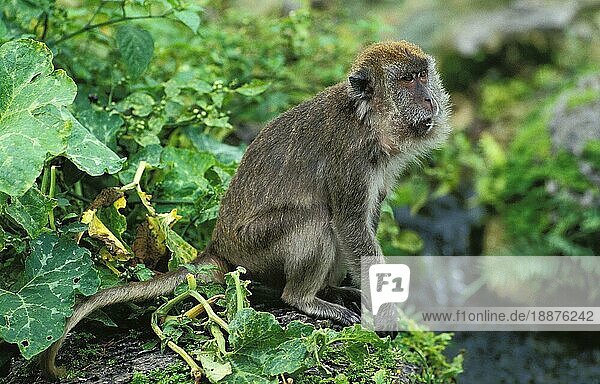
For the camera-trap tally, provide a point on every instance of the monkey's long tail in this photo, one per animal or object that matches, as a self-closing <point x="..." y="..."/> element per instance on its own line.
<point x="161" y="285"/>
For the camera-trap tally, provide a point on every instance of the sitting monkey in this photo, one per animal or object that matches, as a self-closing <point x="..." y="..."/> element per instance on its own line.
<point x="303" y="207"/>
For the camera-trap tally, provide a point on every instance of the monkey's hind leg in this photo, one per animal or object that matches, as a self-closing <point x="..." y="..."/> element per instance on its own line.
<point x="310" y="259"/>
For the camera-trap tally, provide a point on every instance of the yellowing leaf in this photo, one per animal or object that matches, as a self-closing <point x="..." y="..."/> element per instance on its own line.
<point x="97" y="230"/>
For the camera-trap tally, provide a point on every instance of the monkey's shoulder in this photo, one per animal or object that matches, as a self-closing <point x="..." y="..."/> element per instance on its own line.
<point x="330" y="107"/>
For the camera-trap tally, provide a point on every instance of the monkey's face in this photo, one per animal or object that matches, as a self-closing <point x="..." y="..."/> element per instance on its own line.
<point x="397" y="87"/>
<point x="407" y="94"/>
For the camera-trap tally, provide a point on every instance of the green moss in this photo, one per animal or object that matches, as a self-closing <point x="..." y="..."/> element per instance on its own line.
<point x="176" y="373"/>
<point x="415" y="355"/>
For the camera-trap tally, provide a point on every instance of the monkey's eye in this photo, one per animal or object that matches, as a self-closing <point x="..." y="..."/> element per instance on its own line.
<point x="422" y="75"/>
<point x="408" y="77"/>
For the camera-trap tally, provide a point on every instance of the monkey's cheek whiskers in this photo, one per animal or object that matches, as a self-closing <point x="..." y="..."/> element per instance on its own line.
<point x="429" y="124"/>
<point x="436" y="107"/>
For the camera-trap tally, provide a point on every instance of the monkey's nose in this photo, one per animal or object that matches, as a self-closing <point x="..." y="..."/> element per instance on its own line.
<point x="428" y="104"/>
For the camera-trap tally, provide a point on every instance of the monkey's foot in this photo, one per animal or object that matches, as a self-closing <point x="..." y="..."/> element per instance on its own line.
<point x="348" y="297"/>
<point x="324" y="309"/>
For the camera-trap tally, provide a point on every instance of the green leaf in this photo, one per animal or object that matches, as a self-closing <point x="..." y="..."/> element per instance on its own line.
<point x="103" y="125"/>
<point x="219" y="122"/>
<point x="214" y="370"/>
<point x="380" y="376"/>
<point x="136" y="47"/>
<point x="288" y="357"/>
<point x="296" y="329"/>
<point x="189" y="18"/>
<point x="142" y="273"/>
<point x="254" y="330"/>
<point x="241" y="375"/>
<point x="253" y="88"/>
<point x="31" y="210"/>
<point x="225" y="153"/>
<point x="140" y="104"/>
<point x="183" y="173"/>
<point x="34" y="317"/>
<point x="32" y="100"/>
<point x="88" y="153"/>
<point x="261" y="347"/>
<point x="101" y="317"/>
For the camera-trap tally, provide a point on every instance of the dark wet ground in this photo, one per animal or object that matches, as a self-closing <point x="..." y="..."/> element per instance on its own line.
<point x="529" y="357"/>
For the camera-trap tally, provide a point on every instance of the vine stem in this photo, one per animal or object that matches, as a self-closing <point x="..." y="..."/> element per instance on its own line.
<point x="51" y="194"/>
<point x="105" y="23"/>
<point x="162" y="311"/>
<point x="45" y="179"/>
<point x="209" y="311"/>
<point x="135" y="184"/>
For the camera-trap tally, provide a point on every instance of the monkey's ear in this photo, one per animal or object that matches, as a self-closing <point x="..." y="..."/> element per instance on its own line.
<point x="360" y="84"/>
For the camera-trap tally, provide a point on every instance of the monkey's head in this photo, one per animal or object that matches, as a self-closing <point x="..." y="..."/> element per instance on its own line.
<point x="396" y="87"/>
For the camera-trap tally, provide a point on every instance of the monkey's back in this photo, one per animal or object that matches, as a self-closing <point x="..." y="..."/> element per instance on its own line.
<point x="280" y="183"/>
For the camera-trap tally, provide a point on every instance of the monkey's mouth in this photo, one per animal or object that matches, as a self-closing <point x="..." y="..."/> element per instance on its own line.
<point x="423" y="127"/>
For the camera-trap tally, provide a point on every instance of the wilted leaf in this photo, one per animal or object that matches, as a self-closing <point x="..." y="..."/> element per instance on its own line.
<point x="136" y="47"/>
<point x="98" y="228"/>
<point x="34" y="317"/>
<point x="181" y="251"/>
<point x="231" y="292"/>
<point x="149" y="245"/>
<point x="31" y="211"/>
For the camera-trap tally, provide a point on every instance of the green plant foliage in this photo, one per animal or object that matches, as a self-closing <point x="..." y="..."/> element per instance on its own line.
<point x="34" y="316"/>
<point x="260" y="350"/>
<point x="540" y="219"/>
<point x="126" y="154"/>
<point x="33" y="123"/>
<point x="30" y="211"/>
<point x="136" y="47"/>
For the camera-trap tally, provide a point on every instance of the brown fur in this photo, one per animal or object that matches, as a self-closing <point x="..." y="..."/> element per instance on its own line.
<point x="303" y="207"/>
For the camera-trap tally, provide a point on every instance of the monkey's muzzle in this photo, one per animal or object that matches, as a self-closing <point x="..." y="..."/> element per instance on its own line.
<point x="423" y="127"/>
